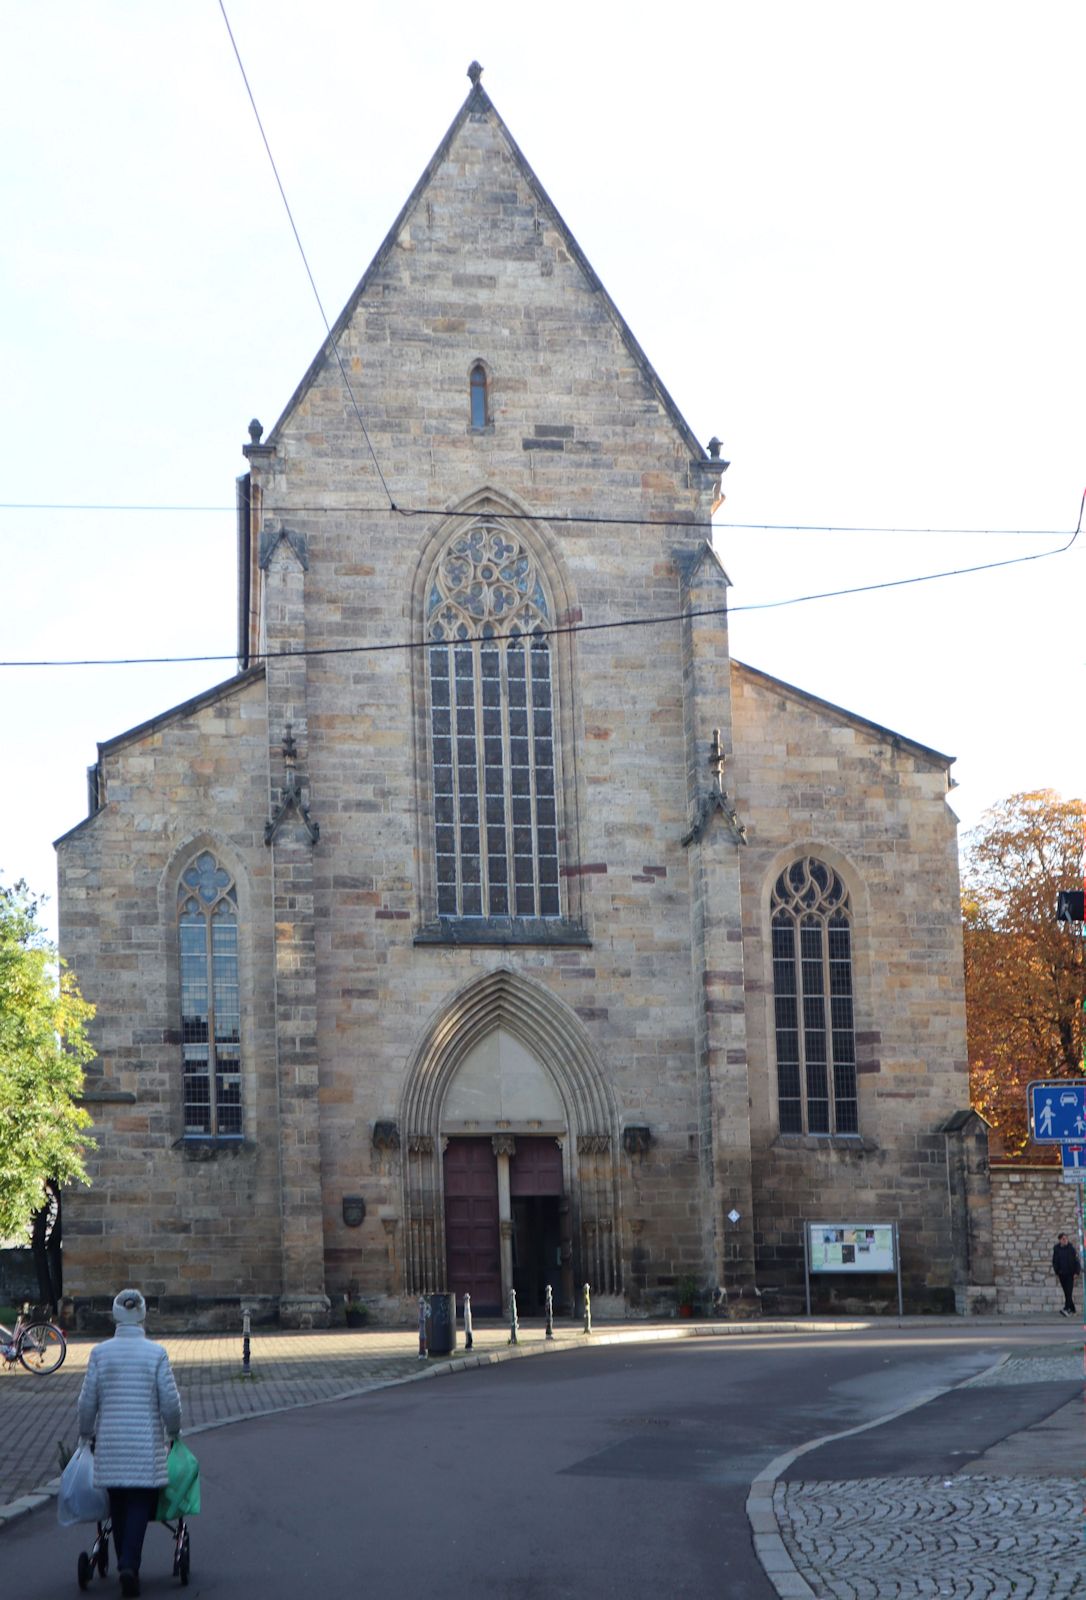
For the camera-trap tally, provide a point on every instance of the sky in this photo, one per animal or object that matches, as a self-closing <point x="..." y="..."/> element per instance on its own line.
<point x="849" y="237"/>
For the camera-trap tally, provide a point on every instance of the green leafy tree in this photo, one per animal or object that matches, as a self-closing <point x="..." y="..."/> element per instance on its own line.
<point x="43" y="1050"/>
<point x="1024" y="973"/>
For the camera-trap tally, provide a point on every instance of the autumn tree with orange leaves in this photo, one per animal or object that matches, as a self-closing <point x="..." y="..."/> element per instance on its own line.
<point x="1024" y="972"/>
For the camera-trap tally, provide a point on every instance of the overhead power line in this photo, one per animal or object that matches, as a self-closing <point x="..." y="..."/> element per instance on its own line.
<point x="305" y="260"/>
<point x="572" y="628"/>
<point x="569" y="518"/>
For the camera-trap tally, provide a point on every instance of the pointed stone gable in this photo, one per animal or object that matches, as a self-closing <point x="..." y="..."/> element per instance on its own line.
<point x="480" y="267"/>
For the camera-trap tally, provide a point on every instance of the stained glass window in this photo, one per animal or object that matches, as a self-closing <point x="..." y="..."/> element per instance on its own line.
<point x="813" y="1001"/>
<point x="492" y="729"/>
<point x="207" y="916"/>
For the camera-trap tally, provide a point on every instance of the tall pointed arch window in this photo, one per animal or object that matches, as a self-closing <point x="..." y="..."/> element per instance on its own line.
<point x="207" y="923"/>
<point x="813" y="1000"/>
<point x="492" y="730"/>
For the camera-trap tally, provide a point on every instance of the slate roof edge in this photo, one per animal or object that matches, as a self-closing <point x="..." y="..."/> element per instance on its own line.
<point x="218" y="691"/>
<point x="937" y="757"/>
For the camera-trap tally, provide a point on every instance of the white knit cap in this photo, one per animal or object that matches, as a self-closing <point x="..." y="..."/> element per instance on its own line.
<point x="129" y="1308"/>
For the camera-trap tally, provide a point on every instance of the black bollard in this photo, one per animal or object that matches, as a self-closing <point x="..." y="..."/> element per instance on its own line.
<point x="246" y="1370"/>
<point x="468" y="1341"/>
<point x="424" y="1312"/>
<point x="550" y="1313"/>
<point x="513" y="1324"/>
<point x="587" y="1309"/>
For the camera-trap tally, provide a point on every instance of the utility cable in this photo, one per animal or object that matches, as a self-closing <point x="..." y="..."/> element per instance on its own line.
<point x="573" y="628"/>
<point x="305" y="262"/>
<point x="566" y="518"/>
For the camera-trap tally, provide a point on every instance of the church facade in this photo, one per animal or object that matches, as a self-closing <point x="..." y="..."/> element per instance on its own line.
<point x="491" y="928"/>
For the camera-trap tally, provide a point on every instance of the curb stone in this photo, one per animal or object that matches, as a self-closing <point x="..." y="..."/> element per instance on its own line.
<point x="768" y="1538"/>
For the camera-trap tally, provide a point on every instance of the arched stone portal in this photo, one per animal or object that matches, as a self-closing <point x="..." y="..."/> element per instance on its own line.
<point x="506" y="1059"/>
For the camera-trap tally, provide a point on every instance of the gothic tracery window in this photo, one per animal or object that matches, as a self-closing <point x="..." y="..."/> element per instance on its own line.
<point x="813" y="1000"/>
<point x="492" y="729"/>
<point x="207" y="922"/>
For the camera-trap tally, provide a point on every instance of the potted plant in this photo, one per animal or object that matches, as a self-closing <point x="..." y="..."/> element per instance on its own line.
<point x="357" y="1311"/>
<point x="686" y="1292"/>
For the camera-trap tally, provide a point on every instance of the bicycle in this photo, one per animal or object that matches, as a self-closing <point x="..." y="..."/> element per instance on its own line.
<point x="39" y="1345"/>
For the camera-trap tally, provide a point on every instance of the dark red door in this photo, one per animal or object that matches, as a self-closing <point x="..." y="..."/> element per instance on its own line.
<point x="472" y="1238"/>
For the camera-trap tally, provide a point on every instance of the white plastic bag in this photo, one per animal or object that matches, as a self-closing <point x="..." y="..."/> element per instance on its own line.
<point x="79" y="1500"/>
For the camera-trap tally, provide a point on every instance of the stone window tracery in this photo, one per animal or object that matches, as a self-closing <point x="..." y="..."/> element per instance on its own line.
<point x="207" y="925"/>
<point x="492" y="729"/>
<point x="813" y="1001"/>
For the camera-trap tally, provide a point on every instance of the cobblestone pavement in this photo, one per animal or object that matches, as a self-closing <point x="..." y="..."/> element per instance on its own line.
<point x="912" y="1538"/>
<point x="975" y="1536"/>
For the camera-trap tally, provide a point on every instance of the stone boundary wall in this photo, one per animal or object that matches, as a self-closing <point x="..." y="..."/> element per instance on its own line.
<point x="1030" y="1206"/>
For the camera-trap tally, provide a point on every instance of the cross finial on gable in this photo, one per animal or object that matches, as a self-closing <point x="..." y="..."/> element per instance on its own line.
<point x="475" y="72"/>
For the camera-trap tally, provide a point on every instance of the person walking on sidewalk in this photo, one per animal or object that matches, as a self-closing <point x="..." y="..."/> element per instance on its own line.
<point x="129" y="1405"/>
<point x="1066" y="1266"/>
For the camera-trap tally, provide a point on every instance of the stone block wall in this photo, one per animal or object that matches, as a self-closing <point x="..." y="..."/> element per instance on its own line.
<point x="813" y="779"/>
<point x="1030" y="1206"/>
<point x="179" y="1220"/>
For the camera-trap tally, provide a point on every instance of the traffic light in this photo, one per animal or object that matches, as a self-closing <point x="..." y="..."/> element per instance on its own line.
<point x="1069" y="905"/>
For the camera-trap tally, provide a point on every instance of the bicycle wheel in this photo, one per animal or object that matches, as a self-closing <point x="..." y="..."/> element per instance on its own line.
<point x="42" y="1348"/>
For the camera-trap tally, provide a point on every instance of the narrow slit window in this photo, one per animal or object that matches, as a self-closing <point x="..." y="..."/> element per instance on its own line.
<point x="480" y="408"/>
<point x="812" y="1001"/>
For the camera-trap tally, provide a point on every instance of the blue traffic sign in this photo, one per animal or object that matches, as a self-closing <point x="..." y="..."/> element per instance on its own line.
<point x="1073" y="1160"/>
<point x="1057" y="1111"/>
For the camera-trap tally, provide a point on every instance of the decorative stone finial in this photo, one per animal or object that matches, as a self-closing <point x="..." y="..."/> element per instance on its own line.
<point x="475" y="72"/>
<point x="715" y="446"/>
<point x="256" y="429"/>
<point x="717" y="760"/>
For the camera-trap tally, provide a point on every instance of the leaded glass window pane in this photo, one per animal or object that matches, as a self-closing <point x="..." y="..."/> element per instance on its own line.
<point x="813" y="1004"/>
<point x="494" y="762"/>
<point x="210" y="1001"/>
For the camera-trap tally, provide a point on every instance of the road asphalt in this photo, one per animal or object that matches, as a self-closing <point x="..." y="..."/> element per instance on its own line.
<point x="975" y="1491"/>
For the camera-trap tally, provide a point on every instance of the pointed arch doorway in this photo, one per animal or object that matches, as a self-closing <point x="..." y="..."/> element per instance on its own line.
<point x="508" y="1173"/>
<point x="506" y="1205"/>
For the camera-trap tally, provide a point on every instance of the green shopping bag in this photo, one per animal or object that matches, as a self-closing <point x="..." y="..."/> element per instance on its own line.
<point x="180" y="1495"/>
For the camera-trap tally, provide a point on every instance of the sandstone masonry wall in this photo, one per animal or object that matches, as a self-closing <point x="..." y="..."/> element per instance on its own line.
<point x="1030" y="1206"/>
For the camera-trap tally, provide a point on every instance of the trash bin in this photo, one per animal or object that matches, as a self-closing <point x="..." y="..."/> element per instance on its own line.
<point x="441" y="1330"/>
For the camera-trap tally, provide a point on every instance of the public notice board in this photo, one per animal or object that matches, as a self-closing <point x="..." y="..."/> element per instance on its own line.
<point x="851" y="1247"/>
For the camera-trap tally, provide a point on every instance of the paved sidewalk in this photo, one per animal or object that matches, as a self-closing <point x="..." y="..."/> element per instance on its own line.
<point x="1006" y="1522"/>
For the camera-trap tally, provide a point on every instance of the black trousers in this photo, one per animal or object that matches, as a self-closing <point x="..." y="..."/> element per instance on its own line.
<point x="1067" y="1284"/>
<point x="131" y="1510"/>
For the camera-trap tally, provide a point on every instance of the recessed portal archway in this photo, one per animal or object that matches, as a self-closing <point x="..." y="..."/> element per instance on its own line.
<point x="507" y="1065"/>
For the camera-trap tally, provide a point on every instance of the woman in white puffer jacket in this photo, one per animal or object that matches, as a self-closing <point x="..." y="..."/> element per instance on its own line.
<point x="129" y="1405"/>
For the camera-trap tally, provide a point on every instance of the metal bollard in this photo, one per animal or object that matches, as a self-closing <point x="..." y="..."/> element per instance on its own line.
<point x="514" y="1326"/>
<point x="587" y="1309"/>
<point x="549" y="1302"/>
<point x="468" y="1341"/>
<point x="424" y="1312"/>
<point x="246" y="1370"/>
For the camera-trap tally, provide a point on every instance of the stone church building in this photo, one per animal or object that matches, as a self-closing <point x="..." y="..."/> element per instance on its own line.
<point x="491" y="927"/>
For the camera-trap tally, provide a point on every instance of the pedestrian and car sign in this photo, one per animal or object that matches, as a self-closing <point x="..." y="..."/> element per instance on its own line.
<point x="1057" y="1111"/>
